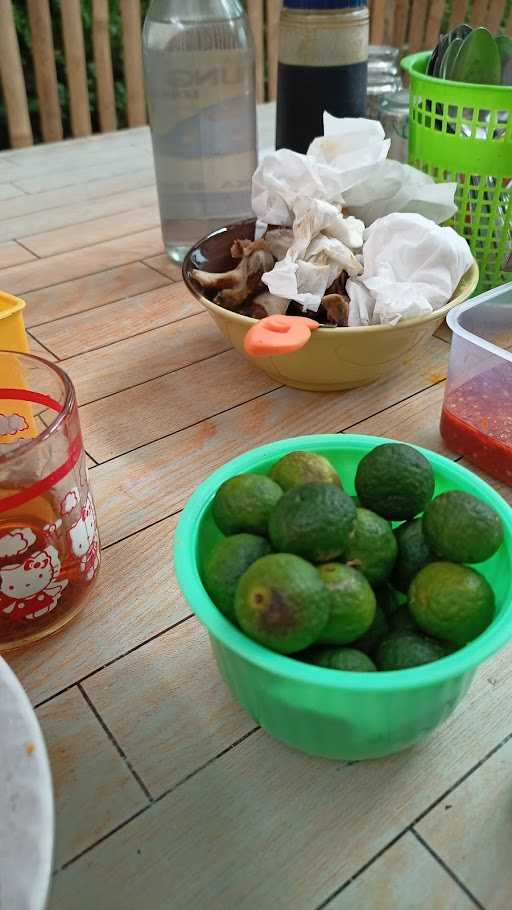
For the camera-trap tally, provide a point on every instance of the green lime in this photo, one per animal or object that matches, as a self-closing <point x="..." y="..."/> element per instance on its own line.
<point x="226" y="563"/>
<point x="402" y="650"/>
<point x="378" y="629"/>
<point x="414" y="552"/>
<point x="244" y="503"/>
<point x="395" y="480"/>
<point x="403" y="621"/>
<point x="451" y="602"/>
<point x="296" y="468"/>
<point x="282" y="603"/>
<point x="344" y="659"/>
<point x="388" y="599"/>
<point x="312" y="521"/>
<point x="461" y="528"/>
<point x="372" y="547"/>
<point x="351" y="601"/>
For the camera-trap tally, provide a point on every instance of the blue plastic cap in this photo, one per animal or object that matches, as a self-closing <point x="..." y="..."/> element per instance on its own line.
<point x="322" y="4"/>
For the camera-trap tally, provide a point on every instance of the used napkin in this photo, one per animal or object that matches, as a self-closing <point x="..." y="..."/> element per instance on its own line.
<point x="411" y="267"/>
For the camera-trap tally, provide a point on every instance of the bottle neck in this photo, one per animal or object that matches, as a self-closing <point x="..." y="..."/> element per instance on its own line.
<point x="194" y="10"/>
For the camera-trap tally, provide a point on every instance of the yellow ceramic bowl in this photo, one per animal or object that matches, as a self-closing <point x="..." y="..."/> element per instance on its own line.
<point x="333" y="358"/>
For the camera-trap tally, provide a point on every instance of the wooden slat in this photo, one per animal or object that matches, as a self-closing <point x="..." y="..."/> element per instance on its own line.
<point x="479" y="12"/>
<point x="103" y="63"/>
<point x="71" y="216"/>
<point x="36" y="348"/>
<point x="495" y="14"/>
<point x="87" y="175"/>
<point x="94" y="790"/>
<point x="152" y="491"/>
<point x="97" y="258"/>
<point x="481" y="804"/>
<point x="108" y="424"/>
<point x="84" y="234"/>
<point x="140" y="359"/>
<point x="76" y="74"/>
<point x="458" y="13"/>
<point x="233" y="810"/>
<point x="82" y="294"/>
<point x="417" y="27"/>
<point x="400" y="23"/>
<point x="44" y="64"/>
<point x="132" y="57"/>
<point x="377" y="21"/>
<point x="73" y="335"/>
<point x="13" y="81"/>
<point x="135" y="598"/>
<point x="407" y="869"/>
<point x="12" y="253"/>
<point x="273" y="11"/>
<point x="8" y="190"/>
<point x="187" y="713"/>
<point x="256" y="19"/>
<point x="164" y="265"/>
<point x="434" y="20"/>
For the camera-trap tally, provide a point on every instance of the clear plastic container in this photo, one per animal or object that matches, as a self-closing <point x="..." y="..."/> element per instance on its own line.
<point x="476" y="420"/>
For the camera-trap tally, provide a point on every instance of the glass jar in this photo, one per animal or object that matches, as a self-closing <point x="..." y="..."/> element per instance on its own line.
<point x="383" y="75"/>
<point x="394" y="116"/>
<point x="49" y="544"/>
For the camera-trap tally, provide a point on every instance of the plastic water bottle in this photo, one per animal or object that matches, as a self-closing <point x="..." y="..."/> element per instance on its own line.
<point x="200" y="84"/>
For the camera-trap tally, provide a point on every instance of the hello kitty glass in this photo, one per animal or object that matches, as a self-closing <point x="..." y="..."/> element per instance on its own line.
<point x="49" y="545"/>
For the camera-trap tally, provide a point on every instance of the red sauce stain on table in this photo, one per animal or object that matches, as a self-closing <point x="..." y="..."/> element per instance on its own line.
<point x="476" y="421"/>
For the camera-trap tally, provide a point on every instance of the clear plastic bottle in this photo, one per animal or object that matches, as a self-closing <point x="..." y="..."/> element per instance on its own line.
<point x="200" y="84"/>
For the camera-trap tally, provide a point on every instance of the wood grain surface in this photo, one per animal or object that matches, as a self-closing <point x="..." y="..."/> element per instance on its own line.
<point x="167" y="794"/>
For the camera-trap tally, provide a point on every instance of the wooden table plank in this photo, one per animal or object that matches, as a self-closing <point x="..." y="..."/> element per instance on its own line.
<point x="9" y="191"/>
<point x="173" y="401"/>
<point x="264" y="800"/>
<point x="86" y="233"/>
<point x="164" y="265"/>
<point x="406" y="872"/>
<point x="129" y="365"/>
<point x="11" y="253"/>
<point x="72" y="217"/>
<point x="47" y="272"/>
<point x="76" y="194"/>
<point x="169" y="695"/>
<point x="94" y="790"/>
<point x="472" y="828"/>
<point x="90" y="292"/>
<point x="143" y="476"/>
<point x="73" y="335"/>
<point x="136" y="598"/>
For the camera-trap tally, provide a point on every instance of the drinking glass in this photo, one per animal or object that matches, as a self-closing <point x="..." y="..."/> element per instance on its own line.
<point x="49" y="543"/>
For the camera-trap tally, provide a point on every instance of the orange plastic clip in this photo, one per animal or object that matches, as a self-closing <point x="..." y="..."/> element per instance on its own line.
<point x="279" y="335"/>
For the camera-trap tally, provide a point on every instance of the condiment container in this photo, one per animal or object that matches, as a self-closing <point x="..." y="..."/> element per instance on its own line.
<point x="394" y="116"/>
<point x="323" y="54"/>
<point x="476" y="420"/>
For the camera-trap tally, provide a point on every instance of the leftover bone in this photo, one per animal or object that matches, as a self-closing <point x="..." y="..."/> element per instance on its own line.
<point x="238" y="284"/>
<point x="336" y="307"/>
<point x="267" y="304"/>
<point x="241" y="248"/>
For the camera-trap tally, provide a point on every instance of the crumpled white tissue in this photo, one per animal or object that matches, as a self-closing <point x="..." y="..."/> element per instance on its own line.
<point x="411" y="267"/>
<point x="327" y="197"/>
<point x="322" y="248"/>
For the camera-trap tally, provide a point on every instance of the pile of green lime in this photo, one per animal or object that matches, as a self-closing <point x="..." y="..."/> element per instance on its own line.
<point x="376" y="581"/>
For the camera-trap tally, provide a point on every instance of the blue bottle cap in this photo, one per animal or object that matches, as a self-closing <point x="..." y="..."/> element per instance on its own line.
<point x="315" y="5"/>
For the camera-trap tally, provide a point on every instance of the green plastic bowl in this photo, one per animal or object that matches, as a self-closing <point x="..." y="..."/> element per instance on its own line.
<point x="325" y="712"/>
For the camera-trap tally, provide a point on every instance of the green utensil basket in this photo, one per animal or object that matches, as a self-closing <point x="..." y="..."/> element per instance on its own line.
<point x="463" y="133"/>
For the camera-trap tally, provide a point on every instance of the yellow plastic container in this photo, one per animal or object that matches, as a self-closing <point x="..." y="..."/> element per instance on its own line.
<point x="333" y="358"/>
<point x="12" y="327"/>
<point x="14" y="338"/>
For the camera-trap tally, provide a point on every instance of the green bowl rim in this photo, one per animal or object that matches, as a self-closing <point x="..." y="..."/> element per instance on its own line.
<point x="410" y="62"/>
<point x="189" y="580"/>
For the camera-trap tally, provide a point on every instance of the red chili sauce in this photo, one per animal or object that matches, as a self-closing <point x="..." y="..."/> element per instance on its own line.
<point x="476" y="421"/>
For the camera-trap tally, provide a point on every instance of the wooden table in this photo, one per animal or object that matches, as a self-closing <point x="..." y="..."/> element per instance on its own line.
<point x="167" y="794"/>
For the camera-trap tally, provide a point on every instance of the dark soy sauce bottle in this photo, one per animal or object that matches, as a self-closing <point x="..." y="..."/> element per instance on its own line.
<point x="323" y="58"/>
